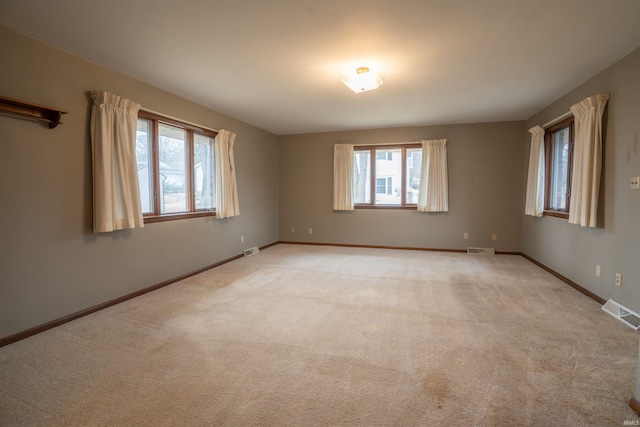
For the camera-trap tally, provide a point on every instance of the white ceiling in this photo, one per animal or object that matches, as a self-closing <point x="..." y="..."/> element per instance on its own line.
<point x="277" y="64"/>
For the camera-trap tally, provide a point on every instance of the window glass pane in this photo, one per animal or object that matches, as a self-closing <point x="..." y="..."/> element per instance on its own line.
<point x="172" y="149"/>
<point x="204" y="173"/>
<point x="144" y="159"/>
<point x="414" y="167"/>
<point x="389" y="170"/>
<point x="559" y="170"/>
<point x="362" y="176"/>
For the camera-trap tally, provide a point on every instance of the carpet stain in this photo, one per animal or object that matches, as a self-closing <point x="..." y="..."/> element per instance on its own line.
<point x="437" y="385"/>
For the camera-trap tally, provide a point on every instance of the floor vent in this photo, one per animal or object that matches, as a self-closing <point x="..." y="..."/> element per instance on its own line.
<point x="484" y="251"/>
<point x="622" y="313"/>
<point x="251" y="251"/>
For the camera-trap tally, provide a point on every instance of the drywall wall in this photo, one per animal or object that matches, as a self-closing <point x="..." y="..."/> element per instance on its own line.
<point x="51" y="263"/>
<point x="485" y="190"/>
<point x="574" y="251"/>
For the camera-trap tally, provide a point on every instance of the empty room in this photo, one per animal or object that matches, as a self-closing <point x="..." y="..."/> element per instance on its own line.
<point x="319" y="213"/>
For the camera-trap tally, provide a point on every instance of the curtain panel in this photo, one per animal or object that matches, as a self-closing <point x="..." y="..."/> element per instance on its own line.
<point x="534" y="198"/>
<point x="343" y="177"/>
<point x="226" y="185"/>
<point x="433" y="195"/>
<point x="587" y="160"/>
<point x="116" y="197"/>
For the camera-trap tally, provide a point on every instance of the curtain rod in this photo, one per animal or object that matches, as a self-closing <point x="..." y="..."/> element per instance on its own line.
<point x="94" y="94"/>
<point x="177" y="119"/>
<point x="386" y="143"/>
<point x="557" y="119"/>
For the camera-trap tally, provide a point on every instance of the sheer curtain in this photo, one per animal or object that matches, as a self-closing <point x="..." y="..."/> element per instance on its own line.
<point x="226" y="186"/>
<point x="433" y="195"/>
<point x="343" y="177"/>
<point x="587" y="160"/>
<point x="534" y="199"/>
<point x="116" y="197"/>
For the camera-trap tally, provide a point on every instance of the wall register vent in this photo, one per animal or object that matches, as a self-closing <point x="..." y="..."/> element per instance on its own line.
<point x="482" y="251"/>
<point x="251" y="251"/>
<point x="622" y="313"/>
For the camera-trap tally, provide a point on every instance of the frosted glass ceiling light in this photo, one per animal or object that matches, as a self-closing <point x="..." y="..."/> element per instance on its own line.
<point x="362" y="81"/>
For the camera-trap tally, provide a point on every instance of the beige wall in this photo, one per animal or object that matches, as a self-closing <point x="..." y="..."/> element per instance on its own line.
<point x="485" y="190"/>
<point x="51" y="264"/>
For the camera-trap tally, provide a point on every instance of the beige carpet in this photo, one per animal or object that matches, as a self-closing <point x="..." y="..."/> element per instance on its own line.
<point x="327" y="336"/>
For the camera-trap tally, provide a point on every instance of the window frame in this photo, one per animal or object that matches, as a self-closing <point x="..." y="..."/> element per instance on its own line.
<point x="403" y="176"/>
<point x="548" y="166"/>
<point x="190" y="130"/>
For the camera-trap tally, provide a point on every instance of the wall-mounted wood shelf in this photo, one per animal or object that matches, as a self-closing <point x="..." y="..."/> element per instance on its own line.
<point x="28" y="110"/>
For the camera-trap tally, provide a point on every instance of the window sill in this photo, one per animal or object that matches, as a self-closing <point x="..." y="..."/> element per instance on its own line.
<point x="174" y="217"/>
<point x="556" y="214"/>
<point x="398" y="207"/>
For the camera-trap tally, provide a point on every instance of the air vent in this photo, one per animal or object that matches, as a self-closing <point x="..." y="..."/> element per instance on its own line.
<point x="622" y="313"/>
<point x="251" y="251"/>
<point x="482" y="251"/>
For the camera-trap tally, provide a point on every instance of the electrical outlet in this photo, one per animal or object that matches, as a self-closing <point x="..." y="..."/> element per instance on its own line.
<point x="618" y="279"/>
<point x="634" y="183"/>
<point x="310" y="231"/>
<point x="494" y="236"/>
<point x="466" y="236"/>
<point x="293" y="229"/>
<point x="598" y="270"/>
<point x="241" y="239"/>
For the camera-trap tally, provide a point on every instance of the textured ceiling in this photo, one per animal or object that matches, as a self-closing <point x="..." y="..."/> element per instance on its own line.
<point x="278" y="64"/>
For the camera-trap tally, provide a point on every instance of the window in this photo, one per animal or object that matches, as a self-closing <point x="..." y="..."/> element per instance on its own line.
<point x="558" y="146"/>
<point x="390" y="173"/>
<point x="384" y="185"/>
<point x="176" y="168"/>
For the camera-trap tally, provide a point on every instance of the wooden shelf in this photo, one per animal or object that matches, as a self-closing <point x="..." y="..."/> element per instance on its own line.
<point x="28" y="110"/>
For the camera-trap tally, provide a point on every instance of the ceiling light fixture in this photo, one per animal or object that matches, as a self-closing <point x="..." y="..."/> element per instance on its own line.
<point x="362" y="81"/>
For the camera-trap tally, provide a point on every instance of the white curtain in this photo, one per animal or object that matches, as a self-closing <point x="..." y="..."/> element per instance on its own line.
<point x="116" y="197"/>
<point x="433" y="195"/>
<point x="226" y="186"/>
<point x="534" y="199"/>
<point x="343" y="177"/>
<point x="587" y="160"/>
